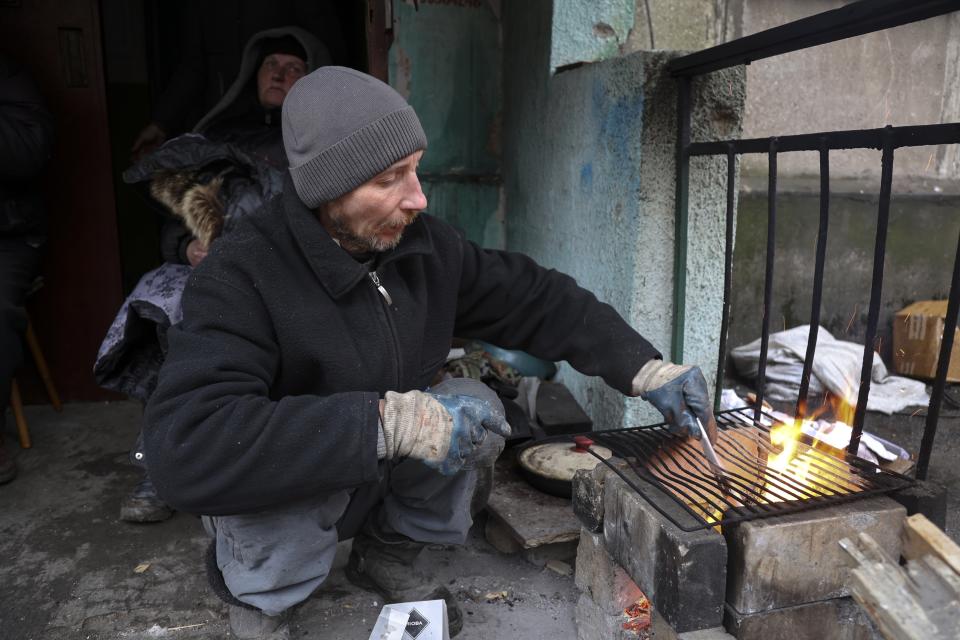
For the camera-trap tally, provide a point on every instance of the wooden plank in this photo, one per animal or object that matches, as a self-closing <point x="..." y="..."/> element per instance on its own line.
<point x="921" y="537"/>
<point x="948" y="577"/>
<point x="919" y="602"/>
<point x="883" y="591"/>
<point x="533" y="517"/>
<point x="935" y="594"/>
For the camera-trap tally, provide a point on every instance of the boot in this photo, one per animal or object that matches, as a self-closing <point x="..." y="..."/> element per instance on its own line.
<point x="253" y="624"/>
<point x="8" y="467"/>
<point x="385" y="564"/>
<point x="143" y="504"/>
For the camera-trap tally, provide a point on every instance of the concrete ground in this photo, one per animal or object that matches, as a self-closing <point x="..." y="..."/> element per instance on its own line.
<point x="71" y="570"/>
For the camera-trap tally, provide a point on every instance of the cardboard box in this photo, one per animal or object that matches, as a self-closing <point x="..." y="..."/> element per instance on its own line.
<point x="917" y="332"/>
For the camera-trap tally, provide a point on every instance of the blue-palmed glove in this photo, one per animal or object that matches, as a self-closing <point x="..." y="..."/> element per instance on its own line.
<point x="680" y="393"/>
<point x="444" y="431"/>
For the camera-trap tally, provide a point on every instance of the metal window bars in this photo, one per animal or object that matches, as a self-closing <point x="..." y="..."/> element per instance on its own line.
<point x="855" y="19"/>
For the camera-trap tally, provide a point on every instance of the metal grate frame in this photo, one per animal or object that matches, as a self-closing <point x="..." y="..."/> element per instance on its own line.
<point x="677" y="467"/>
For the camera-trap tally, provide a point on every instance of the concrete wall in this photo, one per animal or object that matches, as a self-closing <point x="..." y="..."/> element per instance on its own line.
<point x="908" y="75"/>
<point x="589" y="187"/>
<point x="594" y="31"/>
<point x="446" y="60"/>
<point x="902" y="76"/>
<point x="922" y="242"/>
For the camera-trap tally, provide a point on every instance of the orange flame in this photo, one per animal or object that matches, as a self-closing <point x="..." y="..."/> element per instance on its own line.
<point x="805" y="465"/>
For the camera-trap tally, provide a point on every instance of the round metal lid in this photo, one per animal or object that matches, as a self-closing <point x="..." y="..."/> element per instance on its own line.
<point x="560" y="460"/>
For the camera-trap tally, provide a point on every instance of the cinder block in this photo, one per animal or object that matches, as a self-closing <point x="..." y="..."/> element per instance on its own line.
<point x="601" y="578"/>
<point x="717" y="633"/>
<point x="593" y="623"/>
<point x="499" y="535"/>
<point x="587" y="495"/>
<point x="926" y="497"/>
<point x="544" y="553"/>
<point x="684" y="574"/>
<point x="663" y="631"/>
<point x="796" y="559"/>
<point x="838" y="619"/>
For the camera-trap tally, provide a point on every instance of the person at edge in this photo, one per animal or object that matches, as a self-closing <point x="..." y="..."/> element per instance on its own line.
<point x="203" y="182"/>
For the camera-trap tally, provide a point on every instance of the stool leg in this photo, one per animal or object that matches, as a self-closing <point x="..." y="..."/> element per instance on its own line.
<point x="41" y="363"/>
<point x="16" y="403"/>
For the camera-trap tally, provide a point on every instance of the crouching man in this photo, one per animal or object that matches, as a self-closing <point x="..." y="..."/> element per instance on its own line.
<point x="293" y="409"/>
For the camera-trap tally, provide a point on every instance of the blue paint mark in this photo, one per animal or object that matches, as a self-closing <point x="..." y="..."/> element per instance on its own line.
<point x="619" y="113"/>
<point x="586" y="176"/>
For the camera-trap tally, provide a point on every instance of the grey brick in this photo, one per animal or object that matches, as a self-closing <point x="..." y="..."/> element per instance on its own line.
<point x="717" y="633"/>
<point x="544" y="553"/>
<point x="926" y="497"/>
<point x="683" y="573"/>
<point x="593" y="623"/>
<point x="587" y="495"/>
<point x="838" y="619"/>
<point x="601" y="578"/>
<point x="796" y="559"/>
<point x="500" y="536"/>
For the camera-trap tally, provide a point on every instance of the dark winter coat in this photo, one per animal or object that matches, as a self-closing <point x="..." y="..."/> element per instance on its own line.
<point x="271" y="385"/>
<point x="26" y="140"/>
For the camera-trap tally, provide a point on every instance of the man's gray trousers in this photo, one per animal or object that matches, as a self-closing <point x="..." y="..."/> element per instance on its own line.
<point x="275" y="559"/>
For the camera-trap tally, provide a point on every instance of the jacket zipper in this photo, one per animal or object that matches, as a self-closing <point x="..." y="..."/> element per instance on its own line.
<point x="383" y="292"/>
<point x="393" y="331"/>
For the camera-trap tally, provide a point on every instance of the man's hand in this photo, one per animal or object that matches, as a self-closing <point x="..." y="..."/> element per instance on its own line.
<point x="444" y="431"/>
<point x="680" y="393"/>
<point x="151" y="137"/>
<point x="196" y="252"/>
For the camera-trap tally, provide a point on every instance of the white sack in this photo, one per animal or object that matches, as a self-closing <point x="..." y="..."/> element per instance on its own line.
<point x="836" y="368"/>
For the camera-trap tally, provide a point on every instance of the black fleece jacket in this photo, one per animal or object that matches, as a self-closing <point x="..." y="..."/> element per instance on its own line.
<point x="26" y="140"/>
<point x="270" y="389"/>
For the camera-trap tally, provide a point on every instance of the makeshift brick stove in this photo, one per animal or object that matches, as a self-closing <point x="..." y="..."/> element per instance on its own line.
<point x="759" y="559"/>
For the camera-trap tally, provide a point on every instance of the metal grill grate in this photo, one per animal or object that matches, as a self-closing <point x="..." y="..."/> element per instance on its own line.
<point x="817" y="476"/>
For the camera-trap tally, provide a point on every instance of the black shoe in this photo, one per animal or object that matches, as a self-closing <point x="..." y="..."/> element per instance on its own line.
<point x="144" y="505"/>
<point x="8" y="467"/>
<point x="253" y="624"/>
<point x="387" y="568"/>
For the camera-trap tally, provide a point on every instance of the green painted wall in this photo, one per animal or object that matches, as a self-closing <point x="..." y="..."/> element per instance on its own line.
<point x="446" y="60"/>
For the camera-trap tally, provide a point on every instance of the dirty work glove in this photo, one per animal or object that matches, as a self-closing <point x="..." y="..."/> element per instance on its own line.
<point x="492" y="446"/>
<point x="680" y="393"/>
<point x="442" y="431"/>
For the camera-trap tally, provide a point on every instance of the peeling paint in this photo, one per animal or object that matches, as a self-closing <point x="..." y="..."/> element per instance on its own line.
<point x="603" y="30"/>
<point x="446" y="60"/>
<point x="588" y="31"/>
<point x="402" y="71"/>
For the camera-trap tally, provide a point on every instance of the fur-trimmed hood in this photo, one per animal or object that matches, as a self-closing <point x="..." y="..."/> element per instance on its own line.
<point x="317" y="56"/>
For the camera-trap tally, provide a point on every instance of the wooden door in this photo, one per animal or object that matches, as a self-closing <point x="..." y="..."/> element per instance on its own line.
<point x="58" y="41"/>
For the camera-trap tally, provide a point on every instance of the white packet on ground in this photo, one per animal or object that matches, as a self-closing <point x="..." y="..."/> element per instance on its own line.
<point x="425" y="620"/>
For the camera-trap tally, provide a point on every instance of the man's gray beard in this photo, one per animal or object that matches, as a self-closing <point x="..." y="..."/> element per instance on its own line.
<point x="354" y="243"/>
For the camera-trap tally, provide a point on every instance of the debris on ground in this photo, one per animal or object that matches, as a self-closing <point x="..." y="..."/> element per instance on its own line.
<point x="559" y="567"/>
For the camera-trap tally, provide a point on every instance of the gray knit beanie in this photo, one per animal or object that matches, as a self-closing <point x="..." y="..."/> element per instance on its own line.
<point x="341" y="128"/>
